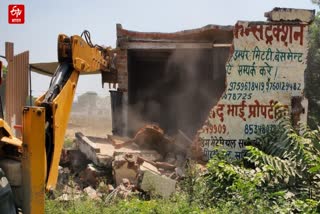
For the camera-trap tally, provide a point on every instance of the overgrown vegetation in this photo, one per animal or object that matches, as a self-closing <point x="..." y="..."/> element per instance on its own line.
<point x="312" y="77"/>
<point x="176" y="205"/>
<point x="279" y="174"/>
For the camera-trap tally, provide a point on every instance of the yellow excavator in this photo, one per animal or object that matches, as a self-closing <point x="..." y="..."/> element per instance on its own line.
<point x="29" y="167"/>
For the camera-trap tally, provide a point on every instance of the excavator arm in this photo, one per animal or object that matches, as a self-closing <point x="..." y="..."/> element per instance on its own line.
<point x="75" y="56"/>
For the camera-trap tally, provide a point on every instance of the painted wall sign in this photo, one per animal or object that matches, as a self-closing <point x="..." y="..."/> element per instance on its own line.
<point x="266" y="66"/>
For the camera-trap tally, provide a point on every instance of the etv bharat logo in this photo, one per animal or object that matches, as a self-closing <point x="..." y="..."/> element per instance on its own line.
<point x="16" y="14"/>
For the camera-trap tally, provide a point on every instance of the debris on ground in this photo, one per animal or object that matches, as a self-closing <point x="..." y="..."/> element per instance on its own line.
<point x="119" y="142"/>
<point x="74" y="159"/>
<point x="158" y="184"/>
<point x="123" y="191"/>
<point x="118" y="167"/>
<point x="90" y="175"/>
<point x="153" y="137"/>
<point x="99" y="156"/>
<point x="70" y="191"/>
<point x="63" y="177"/>
<point x="92" y="193"/>
<point x="124" y="166"/>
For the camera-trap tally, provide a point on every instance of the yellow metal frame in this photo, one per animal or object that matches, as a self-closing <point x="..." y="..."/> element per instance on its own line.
<point x="9" y="138"/>
<point x="84" y="59"/>
<point x="33" y="160"/>
<point x="61" y="108"/>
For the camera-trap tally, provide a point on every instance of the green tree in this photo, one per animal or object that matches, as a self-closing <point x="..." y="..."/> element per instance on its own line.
<point x="312" y="75"/>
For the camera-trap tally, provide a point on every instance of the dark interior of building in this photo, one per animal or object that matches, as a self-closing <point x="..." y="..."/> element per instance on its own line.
<point x="174" y="88"/>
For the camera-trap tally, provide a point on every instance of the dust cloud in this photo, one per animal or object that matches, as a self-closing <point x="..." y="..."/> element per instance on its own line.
<point x="184" y="94"/>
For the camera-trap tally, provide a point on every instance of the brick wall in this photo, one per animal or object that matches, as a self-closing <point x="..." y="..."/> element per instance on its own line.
<point x="122" y="66"/>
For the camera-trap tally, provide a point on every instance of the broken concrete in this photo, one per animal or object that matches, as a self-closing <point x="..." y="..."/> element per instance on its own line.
<point x="92" y="151"/>
<point x="157" y="184"/>
<point x="132" y="161"/>
<point x="102" y="152"/>
<point x="122" y="168"/>
<point x="124" y="190"/>
<point x="134" y="169"/>
<point x="146" y="174"/>
<point x="92" y="193"/>
<point x="165" y="165"/>
<point x="147" y="154"/>
<point x="90" y="176"/>
<point x="145" y="166"/>
<point x="119" y="142"/>
<point x="74" y="159"/>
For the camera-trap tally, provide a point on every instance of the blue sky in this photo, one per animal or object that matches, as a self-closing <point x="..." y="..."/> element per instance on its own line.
<point x="46" y="19"/>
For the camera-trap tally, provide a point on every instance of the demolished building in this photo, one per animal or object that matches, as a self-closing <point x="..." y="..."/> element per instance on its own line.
<point x="174" y="80"/>
<point x="166" y="78"/>
<point x="213" y="86"/>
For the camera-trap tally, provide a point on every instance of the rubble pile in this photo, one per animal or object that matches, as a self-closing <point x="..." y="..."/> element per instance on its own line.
<point x="107" y="168"/>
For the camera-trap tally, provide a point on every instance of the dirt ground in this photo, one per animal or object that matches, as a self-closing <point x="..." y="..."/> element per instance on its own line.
<point x="93" y="125"/>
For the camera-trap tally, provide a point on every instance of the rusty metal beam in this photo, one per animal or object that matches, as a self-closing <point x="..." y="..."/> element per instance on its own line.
<point x="16" y="86"/>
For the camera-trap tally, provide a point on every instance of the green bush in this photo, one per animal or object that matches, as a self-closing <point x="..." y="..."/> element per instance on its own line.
<point x="280" y="174"/>
<point x="177" y="204"/>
